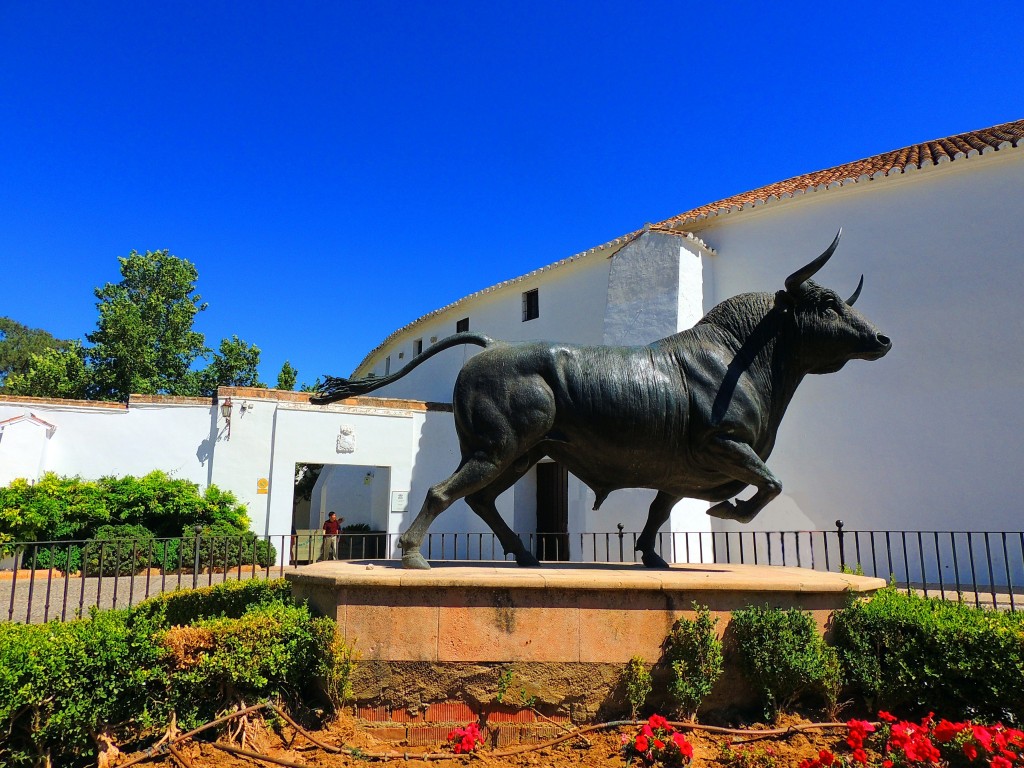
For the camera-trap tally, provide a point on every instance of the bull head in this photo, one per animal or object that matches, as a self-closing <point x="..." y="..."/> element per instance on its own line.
<point x="836" y="333"/>
<point x="794" y="283"/>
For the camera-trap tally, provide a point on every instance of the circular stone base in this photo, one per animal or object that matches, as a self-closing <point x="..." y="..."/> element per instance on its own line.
<point x="569" y="612"/>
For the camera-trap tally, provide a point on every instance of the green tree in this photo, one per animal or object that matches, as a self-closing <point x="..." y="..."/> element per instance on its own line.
<point x="235" y="364"/>
<point x="54" y="373"/>
<point x="144" y="341"/>
<point x="287" y="377"/>
<point x="18" y="345"/>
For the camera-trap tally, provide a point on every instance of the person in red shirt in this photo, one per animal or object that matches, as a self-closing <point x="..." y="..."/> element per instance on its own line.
<point x="332" y="527"/>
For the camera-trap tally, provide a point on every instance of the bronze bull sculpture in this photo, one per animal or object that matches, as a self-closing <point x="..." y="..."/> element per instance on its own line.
<point x="692" y="415"/>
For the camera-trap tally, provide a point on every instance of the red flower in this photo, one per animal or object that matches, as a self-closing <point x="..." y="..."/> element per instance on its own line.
<point x="887" y="764"/>
<point x="685" y="748"/>
<point x="641" y="743"/>
<point x="809" y="762"/>
<point x="886" y="717"/>
<point x="659" y="744"/>
<point x="826" y="758"/>
<point x="1000" y="762"/>
<point x="970" y="751"/>
<point x="983" y="736"/>
<point x="859" y="756"/>
<point x="657" y="721"/>
<point x="946" y="731"/>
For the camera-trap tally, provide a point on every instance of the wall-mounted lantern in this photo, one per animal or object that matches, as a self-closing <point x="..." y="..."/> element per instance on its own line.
<point x="225" y="411"/>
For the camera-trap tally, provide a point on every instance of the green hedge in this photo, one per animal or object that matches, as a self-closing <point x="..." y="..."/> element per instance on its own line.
<point x="124" y="671"/>
<point x="784" y="657"/>
<point x="64" y="508"/>
<point x="914" y="655"/>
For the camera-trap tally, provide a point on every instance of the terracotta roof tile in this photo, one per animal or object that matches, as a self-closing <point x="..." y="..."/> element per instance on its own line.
<point x="886" y="164"/>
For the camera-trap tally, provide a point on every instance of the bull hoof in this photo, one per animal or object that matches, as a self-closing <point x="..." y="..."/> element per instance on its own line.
<point x="414" y="561"/>
<point x="527" y="560"/>
<point x="653" y="560"/>
<point x="724" y="510"/>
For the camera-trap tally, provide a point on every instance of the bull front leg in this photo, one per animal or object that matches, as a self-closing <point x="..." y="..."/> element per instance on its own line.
<point x="661" y="508"/>
<point x="738" y="460"/>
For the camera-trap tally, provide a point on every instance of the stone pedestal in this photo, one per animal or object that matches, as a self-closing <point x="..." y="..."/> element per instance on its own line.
<point x="568" y="613"/>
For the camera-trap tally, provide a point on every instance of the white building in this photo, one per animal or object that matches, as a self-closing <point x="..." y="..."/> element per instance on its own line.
<point x="926" y="438"/>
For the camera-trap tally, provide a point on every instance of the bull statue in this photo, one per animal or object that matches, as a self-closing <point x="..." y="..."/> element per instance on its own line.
<point x="692" y="415"/>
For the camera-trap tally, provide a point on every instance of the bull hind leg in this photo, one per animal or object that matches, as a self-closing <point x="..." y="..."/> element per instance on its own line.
<point x="482" y="502"/>
<point x="473" y="474"/>
<point x="659" y="512"/>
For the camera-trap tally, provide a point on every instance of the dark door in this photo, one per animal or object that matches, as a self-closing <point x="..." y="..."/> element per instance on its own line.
<point x="552" y="511"/>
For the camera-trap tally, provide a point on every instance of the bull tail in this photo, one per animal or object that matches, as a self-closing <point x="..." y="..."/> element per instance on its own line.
<point x="335" y="388"/>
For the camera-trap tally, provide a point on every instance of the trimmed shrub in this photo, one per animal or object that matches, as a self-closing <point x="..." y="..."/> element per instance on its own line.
<point x="694" y="652"/>
<point x="230" y="599"/>
<point x="784" y="657"/>
<point x="118" y="550"/>
<point x="222" y="546"/>
<point x="123" y="672"/>
<point x="62" y="682"/>
<point x="270" y="650"/>
<point x="65" y="508"/>
<point x="915" y="655"/>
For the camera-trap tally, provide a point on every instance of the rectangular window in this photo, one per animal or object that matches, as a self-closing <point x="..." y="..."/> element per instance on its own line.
<point x="387" y="365"/>
<point x="531" y="305"/>
<point x="417" y="347"/>
<point x="461" y="326"/>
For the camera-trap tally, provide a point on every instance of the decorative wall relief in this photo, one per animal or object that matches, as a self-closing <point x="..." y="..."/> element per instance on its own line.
<point x="346" y="439"/>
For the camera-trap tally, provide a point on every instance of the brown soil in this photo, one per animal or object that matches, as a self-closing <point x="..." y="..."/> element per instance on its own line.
<point x="598" y="749"/>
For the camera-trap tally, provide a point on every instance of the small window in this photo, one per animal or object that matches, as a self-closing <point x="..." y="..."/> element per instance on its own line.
<point x="401" y="355"/>
<point x="417" y="347"/>
<point x="461" y="326"/>
<point x="531" y="305"/>
<point x="387" y="365"/>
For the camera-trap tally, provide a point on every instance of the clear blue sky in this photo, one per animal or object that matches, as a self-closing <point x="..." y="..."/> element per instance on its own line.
<point x="337" y="169"/>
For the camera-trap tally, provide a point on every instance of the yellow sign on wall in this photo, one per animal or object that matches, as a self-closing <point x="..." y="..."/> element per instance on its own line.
<point x="262" y="486"/>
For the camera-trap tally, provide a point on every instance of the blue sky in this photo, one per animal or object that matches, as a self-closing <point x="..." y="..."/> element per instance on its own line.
<point x="337" y="169"/>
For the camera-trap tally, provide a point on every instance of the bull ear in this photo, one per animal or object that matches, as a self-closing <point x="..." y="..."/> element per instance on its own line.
<point x="856" y="294"/>
<point x="794" y="281"/>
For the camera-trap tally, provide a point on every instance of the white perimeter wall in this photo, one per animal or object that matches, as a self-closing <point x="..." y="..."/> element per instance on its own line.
<point x="930" y="436"/>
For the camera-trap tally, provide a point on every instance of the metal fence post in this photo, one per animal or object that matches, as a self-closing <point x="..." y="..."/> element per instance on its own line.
<point x="622" y="551"/>
<point x="195" y="564"/>
<point x="842" y="547"/>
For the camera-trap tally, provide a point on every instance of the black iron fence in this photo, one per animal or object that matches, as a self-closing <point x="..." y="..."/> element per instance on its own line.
<point x="47" y="580"/>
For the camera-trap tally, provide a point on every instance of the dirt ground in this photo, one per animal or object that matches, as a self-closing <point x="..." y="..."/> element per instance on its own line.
<point x="599" y="749"/>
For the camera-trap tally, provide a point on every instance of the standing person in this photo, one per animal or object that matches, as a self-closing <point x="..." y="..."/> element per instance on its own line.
<point x="332" y="527"/>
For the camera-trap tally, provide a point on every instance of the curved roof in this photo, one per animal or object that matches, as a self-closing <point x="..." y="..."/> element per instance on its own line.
<point x="898" y="161"/>
<point x="916" y="156"/>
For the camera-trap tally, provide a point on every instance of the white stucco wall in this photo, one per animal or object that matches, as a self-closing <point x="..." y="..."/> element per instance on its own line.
<point x="929" y="437"/>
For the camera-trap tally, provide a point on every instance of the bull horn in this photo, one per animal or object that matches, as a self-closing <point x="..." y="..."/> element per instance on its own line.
<point x="856" y="294"/>
<point x="794" y="281"/>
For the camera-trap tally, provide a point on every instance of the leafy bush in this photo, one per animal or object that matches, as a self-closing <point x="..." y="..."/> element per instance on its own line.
<point x="63" y="557"/>
<point x="222" y="545"/>
<point x="694" y="652"/>
<point x="270" y="650"/>
<point x="123" y="672"/>
<point x="54" y="508"/>
<point x="62" y="682"/>
<point x="905" y="652"/>
<point x="118" y="550"/>
<point x="637" y="680"/>
<point x="228" y="600"/>
<point x="784" y="657"/>
<point x="61" y="508"/>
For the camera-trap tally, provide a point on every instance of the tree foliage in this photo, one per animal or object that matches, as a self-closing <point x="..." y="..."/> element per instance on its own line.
<point x="144" y="341"/>
<point x="287" y="377"/>
<point x="19" y="344"/>
<point x="235" y="364"/>
<point x="60" y="372"/>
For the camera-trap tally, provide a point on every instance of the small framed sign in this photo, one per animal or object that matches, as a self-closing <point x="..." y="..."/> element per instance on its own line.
<point x="399" y="501"/>
<point x="262" y="486"/>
